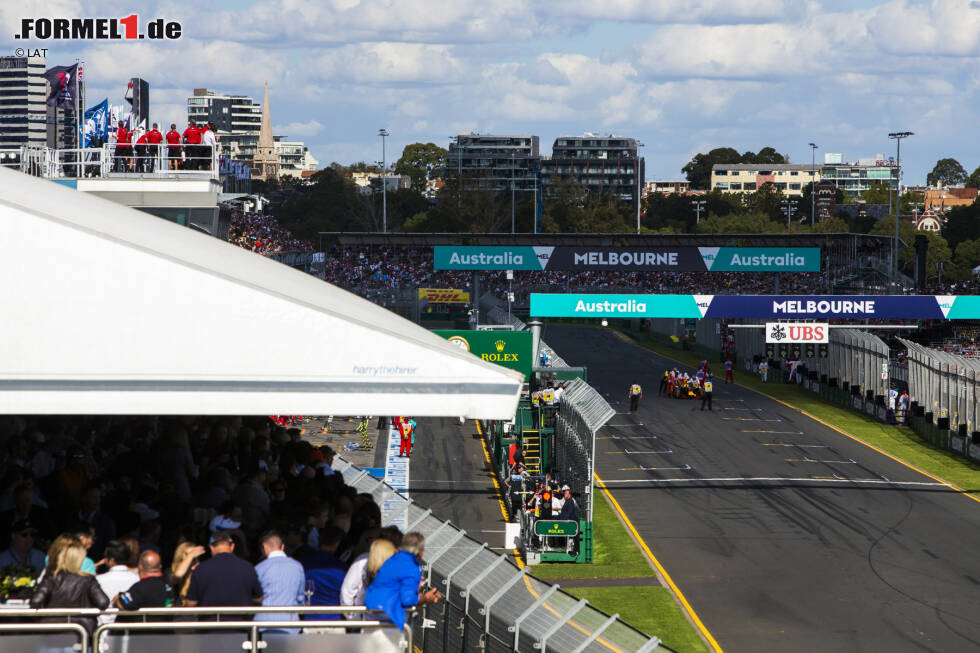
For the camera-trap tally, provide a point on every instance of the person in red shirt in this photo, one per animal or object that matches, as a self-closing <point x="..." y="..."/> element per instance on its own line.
<point x="140" y="148"/>
<point x="121" y="162"/>
<point x="154" y="138"/>
<point x="405" y="431"/>
<point x="192" y="146"/>
<point x="173" y="147"/>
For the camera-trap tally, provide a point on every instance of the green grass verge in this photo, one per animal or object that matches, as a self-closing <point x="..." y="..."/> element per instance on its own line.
<point x="650" y="609"/>
<point x="616" y="554"/>
<point x="899" y="441"/>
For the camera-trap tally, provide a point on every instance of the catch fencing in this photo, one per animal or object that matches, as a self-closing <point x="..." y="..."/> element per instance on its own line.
<point x="943" y="388"/>
<point x="491" y="605"/>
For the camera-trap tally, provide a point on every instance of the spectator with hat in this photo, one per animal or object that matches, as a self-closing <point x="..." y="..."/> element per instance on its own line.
<point x="21" y="550"/>
<point x="225" y="580"/>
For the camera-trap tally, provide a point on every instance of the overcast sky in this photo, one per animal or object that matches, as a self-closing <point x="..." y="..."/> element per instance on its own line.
<point x="683" y="76"/>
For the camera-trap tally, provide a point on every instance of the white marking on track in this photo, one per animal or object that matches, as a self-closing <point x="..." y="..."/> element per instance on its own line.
<point x="627" y="451"/>
<point x="810" y="460"/>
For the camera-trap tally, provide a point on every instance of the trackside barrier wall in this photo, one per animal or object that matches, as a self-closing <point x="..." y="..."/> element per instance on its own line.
<point x="490" y="605"/>
<point x="944" y="393"/>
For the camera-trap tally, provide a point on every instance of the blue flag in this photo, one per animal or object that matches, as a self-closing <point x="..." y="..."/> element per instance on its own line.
<point x="97" y="124"/>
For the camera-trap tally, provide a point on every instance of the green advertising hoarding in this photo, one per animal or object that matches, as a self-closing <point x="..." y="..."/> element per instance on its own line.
<point x="511" y="349"/>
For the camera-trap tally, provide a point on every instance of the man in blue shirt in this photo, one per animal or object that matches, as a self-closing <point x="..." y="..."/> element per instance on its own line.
<point x="22" y="549"/>
<point x="326" y="572"/>
<point x="282" y="578"/>
<point x="396" y="585"/>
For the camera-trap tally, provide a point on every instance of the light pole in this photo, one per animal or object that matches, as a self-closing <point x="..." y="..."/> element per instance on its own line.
<point x="897" y="136"/>
<point x="459" y="171"/>
<point x="698" y="207"/>
<point x="639" y="196"/>
<point x="789" y="206"/>
<point x="383" y="133"/>
<point x="813" y="183"/>
<point x="513" y="168"/>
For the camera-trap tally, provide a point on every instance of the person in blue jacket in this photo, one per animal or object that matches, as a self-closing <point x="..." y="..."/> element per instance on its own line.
<point x="396" y="585"/>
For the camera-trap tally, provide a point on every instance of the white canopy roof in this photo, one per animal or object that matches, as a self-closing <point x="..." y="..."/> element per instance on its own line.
<point x="107" y="310"/>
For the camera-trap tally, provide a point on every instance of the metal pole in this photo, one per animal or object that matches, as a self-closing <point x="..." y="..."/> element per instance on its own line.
<point x="639" y="195"/>
<point x="384" y="182"/>
<point x="813" y="183"/>
<point x="513" y="165"/>
<point x="897" y="136"/>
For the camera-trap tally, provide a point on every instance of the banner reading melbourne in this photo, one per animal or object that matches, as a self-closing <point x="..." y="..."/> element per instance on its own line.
<point x="629" y="259"/>
<point x="798" y="307"/>
<point x="444" y="295"/>
<point x="505" y="348"/>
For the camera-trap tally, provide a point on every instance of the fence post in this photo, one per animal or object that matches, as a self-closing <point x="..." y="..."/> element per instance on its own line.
<point x="516" y="628"/>
<point x="455" y="538"/>
<point x="596" y="633"/>
<point x="485" y="610"/>
<point x="543" y="642"/>
<point x="418" y="521"/>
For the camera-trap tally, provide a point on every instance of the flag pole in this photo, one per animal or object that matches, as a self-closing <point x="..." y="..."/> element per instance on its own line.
<point x="78" y="123"/>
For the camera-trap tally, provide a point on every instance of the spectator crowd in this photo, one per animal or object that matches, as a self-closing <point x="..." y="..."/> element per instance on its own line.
<point x="261" y="233"/>
<point x="139" y="511"/>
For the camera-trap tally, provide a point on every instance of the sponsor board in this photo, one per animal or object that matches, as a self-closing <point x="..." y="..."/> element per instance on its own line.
<point x="543" y="527"/>
<point x="783" y="307"/>
<point x="511" y="349"/>
<point x="444" y="295"/>
<point x="813" y="333"/>
<point x="636" y="259"/>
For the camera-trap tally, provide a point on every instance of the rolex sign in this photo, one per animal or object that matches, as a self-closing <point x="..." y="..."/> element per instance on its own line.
<point x="506" y="348"/>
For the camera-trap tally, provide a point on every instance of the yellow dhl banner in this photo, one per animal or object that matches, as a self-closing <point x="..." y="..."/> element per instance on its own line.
<point x="444" y="295"/>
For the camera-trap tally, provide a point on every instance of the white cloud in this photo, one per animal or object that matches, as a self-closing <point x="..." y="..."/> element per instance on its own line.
<point x="389" y="63"/>
<point x="682" y="11"/>
<point x="298" y="130"/>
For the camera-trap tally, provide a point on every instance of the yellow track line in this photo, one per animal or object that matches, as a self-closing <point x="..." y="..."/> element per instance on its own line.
<point x="660" y="568"/>
<point x="948" y="484"/>
<point x="517" y="554"/>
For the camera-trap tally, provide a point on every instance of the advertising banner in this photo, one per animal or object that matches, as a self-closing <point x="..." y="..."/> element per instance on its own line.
<point x="444" y="295"/>
<point x="629" y="259"/>
<point x="786" y="307"/>
<point x="510" y="349"/>
<point x="817" y="333"/>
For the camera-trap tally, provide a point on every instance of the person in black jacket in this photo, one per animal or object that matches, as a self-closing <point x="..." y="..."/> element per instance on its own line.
<point x="66" y="586"/>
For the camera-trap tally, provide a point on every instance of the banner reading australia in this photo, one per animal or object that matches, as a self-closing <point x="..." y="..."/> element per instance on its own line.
<point x="629" y="259"/>
<point x="790" y="307"/>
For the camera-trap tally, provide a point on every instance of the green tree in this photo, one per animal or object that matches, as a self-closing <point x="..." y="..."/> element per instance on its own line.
<point x="698" y="169"/>
<point x="418" y="160"/>
<point x="745" y="223"/>
<point x="361" y="166"/>
<point x="768" y="201"/>
<point x="974" y="180"/>
<point x="937" y="251"/>
<point x="967" y="257"/>
<point x="877" y="193"/>
<point x="910" y="200"/>
<point x="962" y="223"/>
<point x="947" y="172"/>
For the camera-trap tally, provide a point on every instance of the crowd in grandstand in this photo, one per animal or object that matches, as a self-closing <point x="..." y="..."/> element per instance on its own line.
<point x="261" y="233"/>
<point x="208" y="503"/>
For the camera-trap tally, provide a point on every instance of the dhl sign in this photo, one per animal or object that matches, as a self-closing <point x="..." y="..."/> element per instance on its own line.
<point x="444" y="295"/>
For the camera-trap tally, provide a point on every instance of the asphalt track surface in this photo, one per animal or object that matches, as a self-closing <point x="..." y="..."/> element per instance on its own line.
<point x="783" y="534"/>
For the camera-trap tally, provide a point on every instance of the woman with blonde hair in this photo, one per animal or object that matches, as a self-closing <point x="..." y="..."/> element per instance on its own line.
<point x="65" y="585"/>
<point x="185" y="559"/>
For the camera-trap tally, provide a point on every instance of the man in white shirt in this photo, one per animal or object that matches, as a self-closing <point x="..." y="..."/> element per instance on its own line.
<point x="119" y="578"/>
<point x="209" y="144"/>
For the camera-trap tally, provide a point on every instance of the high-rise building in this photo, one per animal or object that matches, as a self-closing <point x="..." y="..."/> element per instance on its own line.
<point x="23" y="113"/>
<point x="237" y="119"/>
<point x="494" y="162"/>
<point x="791" y="178"/>
<point x="604" y="165"/>
<point x="294" y="158"/>
<point x="265" y="162"/>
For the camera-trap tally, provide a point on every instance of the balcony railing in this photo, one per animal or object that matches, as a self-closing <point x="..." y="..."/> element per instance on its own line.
<point x="109" y="161"/>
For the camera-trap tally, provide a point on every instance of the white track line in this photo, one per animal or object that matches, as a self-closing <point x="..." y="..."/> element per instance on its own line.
<point x="790" y="444"/>
<point x="810" y="460"/>
<point x="627" y="451"/>
<point x="750" y="419"/>
<point x="772" y="479"/>
<point x="627" y="437"/>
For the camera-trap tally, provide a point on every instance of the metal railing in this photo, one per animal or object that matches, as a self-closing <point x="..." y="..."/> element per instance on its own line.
<point x="153" y="160"/>
<point x="945" y="385"/>
<point x="171" y="622"/>
<point x="492" y="605"/>
<point x="581" y="413"/>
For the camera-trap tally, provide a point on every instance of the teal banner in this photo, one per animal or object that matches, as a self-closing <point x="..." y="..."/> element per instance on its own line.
<point x="448" y="257"/>
<point x="761" y="259"/>
<point x="599" y="306"/>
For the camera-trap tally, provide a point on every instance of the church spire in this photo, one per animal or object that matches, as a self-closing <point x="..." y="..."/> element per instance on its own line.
<point x="265" y="164"/>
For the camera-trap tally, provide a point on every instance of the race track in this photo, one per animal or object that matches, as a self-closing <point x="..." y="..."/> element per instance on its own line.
<point x="783" y="534"/>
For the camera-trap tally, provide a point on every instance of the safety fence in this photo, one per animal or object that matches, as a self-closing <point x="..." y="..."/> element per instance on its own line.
<point x="216" y="630"/>
<point x="194" y="161"/>
<point x="944" y="393"/>
<point x="581" y="413"/>
<point x="491" y="604"/>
